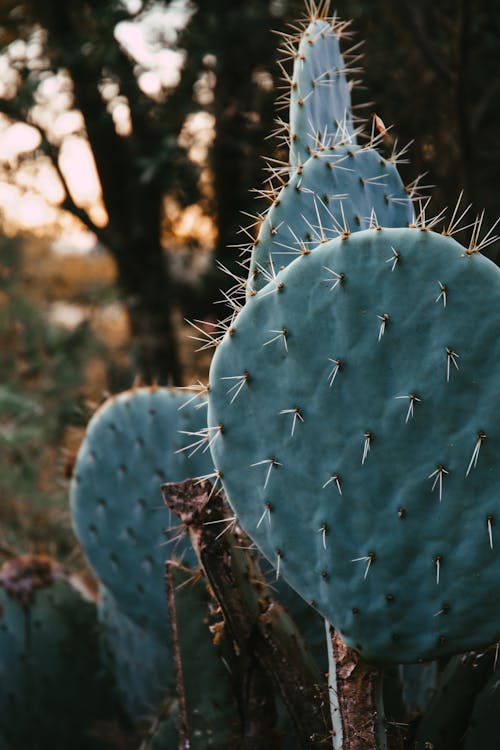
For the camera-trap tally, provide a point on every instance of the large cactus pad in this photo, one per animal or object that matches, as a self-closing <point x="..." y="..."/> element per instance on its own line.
<point x="356" y="400"/>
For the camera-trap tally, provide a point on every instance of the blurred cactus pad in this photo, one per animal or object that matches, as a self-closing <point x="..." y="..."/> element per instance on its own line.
<point x="134" y="442"/>
<point x="356" y="399"/>
<point x="52" y="689"/>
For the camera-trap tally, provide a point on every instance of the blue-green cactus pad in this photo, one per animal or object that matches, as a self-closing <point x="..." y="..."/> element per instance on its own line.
<point x="320" y="96"/>
<point x="117" y="508"/>
<point x="358" y="397"/>
<point x="138" y="660"/>
<point x="51" y="684"/>
<point x="342" y="187"/>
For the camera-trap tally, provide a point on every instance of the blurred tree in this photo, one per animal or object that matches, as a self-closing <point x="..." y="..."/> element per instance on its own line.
<point x="135" y="167"/>
<point x="227" y="70"/>
<point x="431" y="69"/>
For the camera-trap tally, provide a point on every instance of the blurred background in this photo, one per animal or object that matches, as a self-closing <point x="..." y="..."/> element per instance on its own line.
<point x="131" y="135"/>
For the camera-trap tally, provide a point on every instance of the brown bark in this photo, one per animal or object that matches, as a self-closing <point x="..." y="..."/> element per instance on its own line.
<point x="357" y="685"/>
<point x="262" y="629"/>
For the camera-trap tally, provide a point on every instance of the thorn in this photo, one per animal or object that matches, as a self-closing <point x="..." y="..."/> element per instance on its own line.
<point x="339" y="278"/>
<point x="279" y="556"/>
<point x="333" y="374"/>
<point x="370" y="558"/>
<point x="489" y="523"/>
<point x="334" y="478"/>
<point x="241" y="381"/>
<point x="475" y="453"/>
<point x="366" y="446"/>
<point x="385" y="322"/>
<point x="267" y="512"/>
<point x="272" y="464"/>
<point x="438" y="560"/>
<point x="451" y="358"/>
<point x="442" y="294"/>
<point x="413" y="400"/>
<point x="323" y="530"/>
<point x="282" y="334"/>
<point x="476" y="245"/>
<point x="438" y="475"/>
<point x="217" y="475"/>
<point x="297" y="415"/>
<point x="454" y="225"/>
<point x="199" y="389"/>
<point x="396" y="257"/>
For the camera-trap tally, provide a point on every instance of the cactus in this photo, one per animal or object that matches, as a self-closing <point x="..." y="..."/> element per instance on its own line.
<point x="51" y="686"/>
<point x="351" y="446"/>
<point x="132" y="444"/>
<point x="484" y="725"/>
<point x="320" y="95"/>
<point x="138" y="660"/>
<point x="208" y="707"/>
<point x="332" y="185"/>
<point x="449" y="717"/>
<point x="163" y="733"/>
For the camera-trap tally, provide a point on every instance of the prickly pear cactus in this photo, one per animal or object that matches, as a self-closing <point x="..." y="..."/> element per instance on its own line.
<point x="332" y="185"/>
<point x="205" y="686"/>
<point x="51" y="685"/>
<point x="138" y="660"/>
<point x="320" y="95"/>
<point x="355" y="403"/>
<point x="134" y="442"/>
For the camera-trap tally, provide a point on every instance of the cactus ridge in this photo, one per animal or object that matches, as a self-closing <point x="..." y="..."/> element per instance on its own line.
<point x="359" y="448"/>
<point x="133" y="443"/>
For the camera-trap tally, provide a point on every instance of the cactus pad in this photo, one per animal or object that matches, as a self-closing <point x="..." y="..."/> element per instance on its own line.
<point x="356" y="399"/>
<point x="320" y="96"/>
<point x="339" y="188"/>
<point x="51" y="686"/>
<point x="128" y="451"/>
<point x="137" y="659"/>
